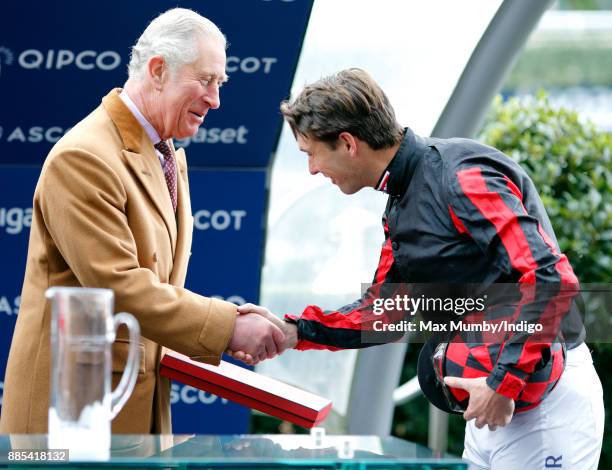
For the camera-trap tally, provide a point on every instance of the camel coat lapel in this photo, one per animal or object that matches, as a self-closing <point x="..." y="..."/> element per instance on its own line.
<point x="184" y="221"/>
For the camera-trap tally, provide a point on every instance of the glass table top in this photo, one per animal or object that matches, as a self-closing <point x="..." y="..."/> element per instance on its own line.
<point x="236" y="451"/>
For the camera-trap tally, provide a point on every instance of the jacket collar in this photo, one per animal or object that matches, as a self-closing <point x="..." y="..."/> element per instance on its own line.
<point x="134" y="137"/>
<point x="403" y="165"/>
<point x="146" y="125"/>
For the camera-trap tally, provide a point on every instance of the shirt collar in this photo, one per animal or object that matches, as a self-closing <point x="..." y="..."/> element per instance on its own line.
<point x="146" y="125"/>
<point x="396" y="177"/>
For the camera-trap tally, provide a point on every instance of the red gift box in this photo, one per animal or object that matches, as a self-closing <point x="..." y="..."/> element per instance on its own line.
<point x="248" y="388"/>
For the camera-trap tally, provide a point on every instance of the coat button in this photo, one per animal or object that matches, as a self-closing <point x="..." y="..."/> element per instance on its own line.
<point x="394" y="245"/>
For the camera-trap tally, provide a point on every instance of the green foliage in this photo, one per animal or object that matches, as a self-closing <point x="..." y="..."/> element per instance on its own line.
<point x="585" y="4"/>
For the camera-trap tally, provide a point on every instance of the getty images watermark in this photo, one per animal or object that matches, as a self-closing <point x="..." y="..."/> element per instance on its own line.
<point x="493" y="313"/>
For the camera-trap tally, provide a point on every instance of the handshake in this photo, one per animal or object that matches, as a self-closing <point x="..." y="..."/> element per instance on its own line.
<point x="259" y="335"/>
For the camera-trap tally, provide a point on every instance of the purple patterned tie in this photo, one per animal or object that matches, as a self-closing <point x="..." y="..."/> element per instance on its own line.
<point x="169" y="168"/>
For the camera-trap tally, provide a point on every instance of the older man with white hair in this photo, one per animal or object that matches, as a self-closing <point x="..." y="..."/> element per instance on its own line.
<point x="112" y="210"/>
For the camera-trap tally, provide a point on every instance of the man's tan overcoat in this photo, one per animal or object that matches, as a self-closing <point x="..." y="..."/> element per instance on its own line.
<point x="102" y="217"/>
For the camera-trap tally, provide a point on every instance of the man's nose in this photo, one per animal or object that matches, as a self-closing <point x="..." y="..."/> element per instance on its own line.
<point x="311" y="166"/>
<point x="212" y="98"/>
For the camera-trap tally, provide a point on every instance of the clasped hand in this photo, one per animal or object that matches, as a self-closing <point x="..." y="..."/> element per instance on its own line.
<point x="260" y="335"/>
<point x="486" y="406"/>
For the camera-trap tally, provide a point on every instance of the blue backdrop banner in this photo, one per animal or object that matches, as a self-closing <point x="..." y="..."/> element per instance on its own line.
<point x="17" y="185"/>
<point x="57" y="60"/>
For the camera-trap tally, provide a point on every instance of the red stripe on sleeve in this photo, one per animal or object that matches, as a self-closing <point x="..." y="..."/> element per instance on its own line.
<point x="514" y="189"/>
<point x="386" y="259"/>
<point x="304" y="345"/>
<point x="358" y="319"/>
<point x="563" y="266"/>
<point x="492" y="206"/>
<point x="456" y="221"/>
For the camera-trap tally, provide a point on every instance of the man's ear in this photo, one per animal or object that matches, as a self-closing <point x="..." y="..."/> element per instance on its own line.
<point x="349" y="142"/>
<point x="157" y="71"/>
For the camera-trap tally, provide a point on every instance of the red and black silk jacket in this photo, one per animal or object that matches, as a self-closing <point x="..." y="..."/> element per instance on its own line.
<point x="458" y="212"/>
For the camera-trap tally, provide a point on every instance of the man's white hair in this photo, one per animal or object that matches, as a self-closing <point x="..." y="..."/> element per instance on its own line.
<point x="173" y="35"/>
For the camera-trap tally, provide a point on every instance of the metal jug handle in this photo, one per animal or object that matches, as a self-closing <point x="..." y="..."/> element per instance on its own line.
<point x="124" y="389"/>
